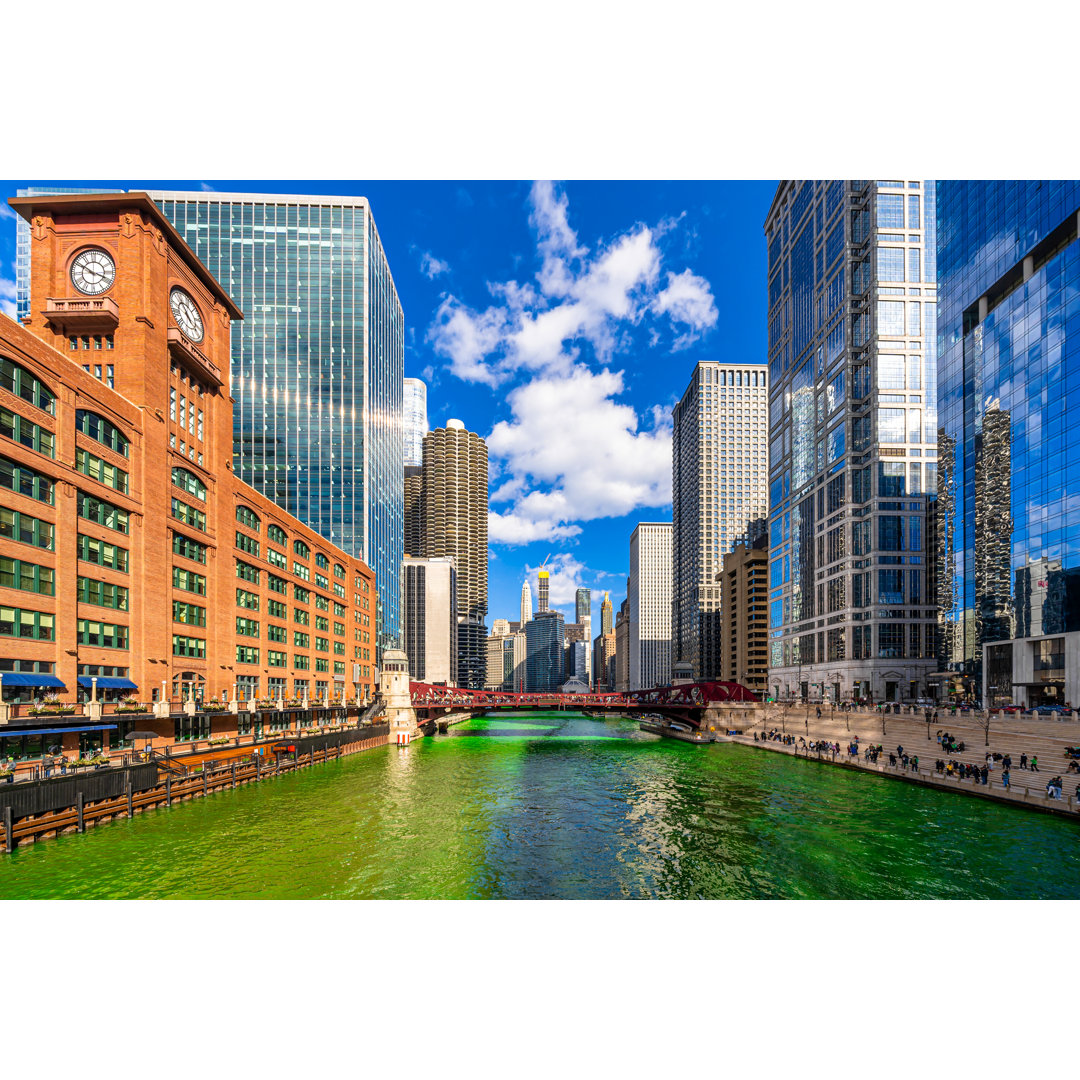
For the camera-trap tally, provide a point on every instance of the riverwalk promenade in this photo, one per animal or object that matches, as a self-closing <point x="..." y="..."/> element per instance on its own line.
<point x="1045" y="738"/>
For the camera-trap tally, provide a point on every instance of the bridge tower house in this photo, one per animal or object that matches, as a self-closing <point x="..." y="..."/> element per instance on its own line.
<point x="394" y="688"/>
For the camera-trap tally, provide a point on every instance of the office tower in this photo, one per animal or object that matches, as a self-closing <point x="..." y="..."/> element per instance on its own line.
<point x="606" y="624"/>
<point x="719" y="477"/>
<point x="414" y="420"/>
<point x="500" y="629"/>
<point x="454" y="522"/>
<point x="543" y="582"/>
<point x="526" y="603"/>
<point x="317" y="365"/>
<point x="603" y="653"/>
<point x="493" y="678"/>
<point x="22" y="243"/>
<point x="141" y="560"/>
<point x="429" y="610"/>
<point x="744" y="609"/>
<point x="544" y="652"/>
<point x="514" y="671"/>
<point x="853" y="430"/>
<point x="576" y="666"/>
<point x="1008" y="531"/>
<point x="582" y="605"/>
<point x="649" y="593"/>
<point x="621" y="661"/>
<point x="413" y="510"/>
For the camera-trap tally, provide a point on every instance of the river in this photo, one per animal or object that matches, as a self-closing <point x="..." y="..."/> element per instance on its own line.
<point x="556" y="805"/>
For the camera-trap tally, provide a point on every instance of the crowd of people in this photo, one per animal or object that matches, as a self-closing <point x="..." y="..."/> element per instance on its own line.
<point x="945" y="767"/>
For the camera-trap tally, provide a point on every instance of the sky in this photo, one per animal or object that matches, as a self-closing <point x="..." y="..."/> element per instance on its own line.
<point x="560" y="321"/>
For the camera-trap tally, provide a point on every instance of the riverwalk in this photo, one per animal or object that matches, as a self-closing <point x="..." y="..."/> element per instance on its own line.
<point x="37" y="809"/>
<point x="1042" y="737"/>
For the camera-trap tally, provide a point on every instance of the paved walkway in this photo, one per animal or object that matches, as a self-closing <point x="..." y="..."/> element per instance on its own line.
<point x="1043" y="737"/>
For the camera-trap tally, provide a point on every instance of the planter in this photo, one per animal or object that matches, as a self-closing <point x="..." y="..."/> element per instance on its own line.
<point x="69" y="711"/>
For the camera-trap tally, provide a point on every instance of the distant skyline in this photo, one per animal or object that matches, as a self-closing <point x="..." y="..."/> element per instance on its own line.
<point x="561" y="322"/>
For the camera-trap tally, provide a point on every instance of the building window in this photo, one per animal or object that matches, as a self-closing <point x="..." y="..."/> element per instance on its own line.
<point x="30" y="435"/>
<point x="191" y="614"/>
<point x="25" y="529"/>
<point x="188" y="515"/>
<point x="102" y="594"/>
<point x="28" y="577"/>
<point x="104" y="554"/>
<point x="188" y="548"/>
<point x="25" y="384"/>
<point x="102" y="471"/>
<point x="101" y="430"/>
<point x="189" y="581"/>
<point x="248" y="518"/>
<point x="188" y="646"/>
<point x="103" y="635"/>
<point x="189" y="482"/>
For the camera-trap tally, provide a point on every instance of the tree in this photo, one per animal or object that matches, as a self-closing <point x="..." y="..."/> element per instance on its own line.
<point x="982" y="719"/>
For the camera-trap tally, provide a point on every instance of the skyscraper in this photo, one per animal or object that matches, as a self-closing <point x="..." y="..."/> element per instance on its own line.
<point x="430" y="618"/>
<point x="607" y="626"/>
<point x="414" y="420"/>
<point x="543" y="582"/>
<point x="852" y="428"/>
<point x="718" y="487"/>
<point x="1008" y="533"/>
<point x="649" y="594"/>
<point x="317" y="365"/>
<point x="544" y="652"/>
<point x="582" y="604"/>
<point x="526" y="604"/>
<point x="413" y="509"/>
<point x="454" y="522"/>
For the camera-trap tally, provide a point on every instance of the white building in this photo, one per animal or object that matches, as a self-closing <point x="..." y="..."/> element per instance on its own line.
<point x="719" y="488"/>
<point x="414" y="420"/>
<point x="429" y="604"/>
<point x="649" y="593"/>
<point x="526" y="603"/>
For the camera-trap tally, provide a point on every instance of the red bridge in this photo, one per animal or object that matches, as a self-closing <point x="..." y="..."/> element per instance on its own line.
<point x="686" y="702"/>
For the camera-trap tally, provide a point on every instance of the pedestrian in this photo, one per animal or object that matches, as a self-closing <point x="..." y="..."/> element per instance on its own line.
<point x="1023" y="761"/>
<point x="1005" y="778"/>
<point x="984" y="773"/>
<point x="1034" y="763"/>
<point x="1006" y="762"/>
<point x="819" y="712"/>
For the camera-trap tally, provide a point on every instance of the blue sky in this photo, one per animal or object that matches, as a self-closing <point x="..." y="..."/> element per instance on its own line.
<point x="561" y="321"/>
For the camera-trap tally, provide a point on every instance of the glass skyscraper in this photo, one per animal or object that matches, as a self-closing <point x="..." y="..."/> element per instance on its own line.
<point x="1009" y="507"/>
<point x="853" y="433"/>
<point x="414" y="412"/>
<point x="317" y="365"/>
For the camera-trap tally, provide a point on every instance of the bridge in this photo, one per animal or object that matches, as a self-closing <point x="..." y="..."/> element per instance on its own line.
<point x="687" y="702"/>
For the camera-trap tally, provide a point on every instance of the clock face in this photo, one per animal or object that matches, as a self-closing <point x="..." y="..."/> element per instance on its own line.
<point x="93" y="271"/>
<point x="186" y="315"/>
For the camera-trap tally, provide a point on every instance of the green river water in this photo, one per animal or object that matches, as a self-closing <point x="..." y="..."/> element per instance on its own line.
<point x="560" y="806"/>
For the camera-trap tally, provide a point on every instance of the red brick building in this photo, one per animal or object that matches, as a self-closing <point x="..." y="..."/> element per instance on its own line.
<point x="129" y="552"/>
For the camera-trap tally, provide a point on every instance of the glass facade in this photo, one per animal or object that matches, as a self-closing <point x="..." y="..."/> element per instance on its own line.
<point x="317" y="365"/>
<point x="852" y="438"/>
<point x="415" y="420"/>
<point x="1008" y="531"/>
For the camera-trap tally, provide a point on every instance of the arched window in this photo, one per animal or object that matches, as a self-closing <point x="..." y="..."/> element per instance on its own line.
<point x="97" y="427"/>
<point x="248" y="518"/>
<point x="25" y="384"/>
<point x="189" y="482"/>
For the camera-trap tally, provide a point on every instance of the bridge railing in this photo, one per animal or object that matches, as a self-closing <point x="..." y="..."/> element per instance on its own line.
<point x="688" y="695"/>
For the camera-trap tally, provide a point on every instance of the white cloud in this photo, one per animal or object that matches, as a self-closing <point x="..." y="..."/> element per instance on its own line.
<point x="576" y="455"/>
<point x="571" y="452"/>
<point x="567" y="574"/>
<point x="6" y="211"/>
<point x="432" y="267"/>
<point x="7" y="296"/>
<point x="688" y="299"/>
<point x="206" y="187"/>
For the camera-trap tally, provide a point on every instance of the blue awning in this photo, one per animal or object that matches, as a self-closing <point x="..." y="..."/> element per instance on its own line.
<point x="105" y="682"/>
<point x="28" y="678"/>
<point x="9" y="732"/>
